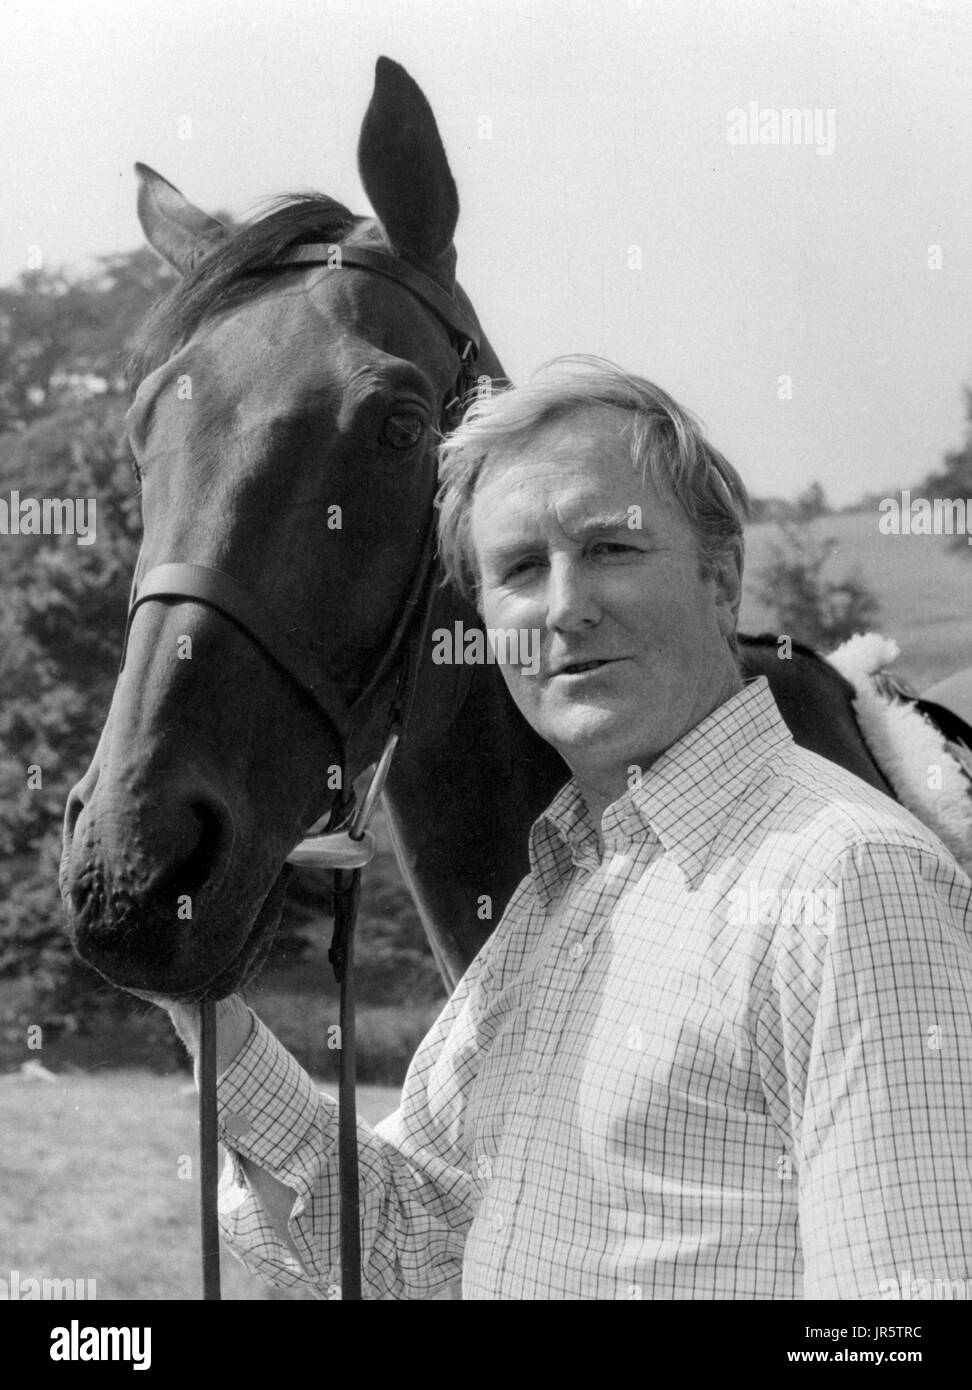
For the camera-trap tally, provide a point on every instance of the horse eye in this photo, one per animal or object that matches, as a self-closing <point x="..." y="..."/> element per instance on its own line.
<point x="402" y="431"/>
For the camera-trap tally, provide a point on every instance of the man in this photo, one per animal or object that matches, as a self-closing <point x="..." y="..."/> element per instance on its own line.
<point x="720" y="1044"/>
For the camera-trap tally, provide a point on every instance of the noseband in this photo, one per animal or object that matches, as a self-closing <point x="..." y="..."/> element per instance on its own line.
<point x="345" y="845"/>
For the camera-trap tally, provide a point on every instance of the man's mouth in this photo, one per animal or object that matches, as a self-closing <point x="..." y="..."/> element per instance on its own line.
<point x="580" y="668"/>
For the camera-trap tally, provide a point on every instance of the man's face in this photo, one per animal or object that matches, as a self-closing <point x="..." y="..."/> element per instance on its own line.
<point x="569" y="541"/>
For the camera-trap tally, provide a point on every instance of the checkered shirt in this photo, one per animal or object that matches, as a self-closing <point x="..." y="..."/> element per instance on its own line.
<point x="729" y="1057"/>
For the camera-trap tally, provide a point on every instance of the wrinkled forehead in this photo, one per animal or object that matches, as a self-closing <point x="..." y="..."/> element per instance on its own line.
<point x="306" y="339"/>
<point x="587" y="450"/>
<point x="573" y="479"/>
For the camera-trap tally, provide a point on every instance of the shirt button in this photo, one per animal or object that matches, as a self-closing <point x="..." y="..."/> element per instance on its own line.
<point x="577" y="950"/>
<point x="497" y="1222"/>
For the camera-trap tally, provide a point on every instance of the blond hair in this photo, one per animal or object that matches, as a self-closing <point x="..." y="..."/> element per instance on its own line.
<point x="668" y="447"/>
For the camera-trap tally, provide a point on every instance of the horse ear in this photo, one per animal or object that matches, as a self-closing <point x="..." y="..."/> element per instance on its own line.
<point x="180" y="232"/>
<point x="404" y="168"/>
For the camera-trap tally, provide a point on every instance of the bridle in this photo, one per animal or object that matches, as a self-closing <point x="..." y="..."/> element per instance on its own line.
<point x="340" y="841"/>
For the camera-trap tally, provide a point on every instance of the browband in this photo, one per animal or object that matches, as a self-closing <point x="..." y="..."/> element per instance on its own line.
<point x="422" y="286"/>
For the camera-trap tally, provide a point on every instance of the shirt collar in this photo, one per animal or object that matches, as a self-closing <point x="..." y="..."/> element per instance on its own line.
<point x="682" y="800"/>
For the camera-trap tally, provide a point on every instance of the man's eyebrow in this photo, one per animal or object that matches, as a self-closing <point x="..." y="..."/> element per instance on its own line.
<point x="504" y="551"/>
<point x="611" y="521"/>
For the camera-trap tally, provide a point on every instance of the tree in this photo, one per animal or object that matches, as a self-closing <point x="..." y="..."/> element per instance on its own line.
<point x="61" y="641"/>
<point x="811" y="503"/>
<point x="806" y="605"/>
<point x="64" y="340"/>
<point x="63" y="345"/>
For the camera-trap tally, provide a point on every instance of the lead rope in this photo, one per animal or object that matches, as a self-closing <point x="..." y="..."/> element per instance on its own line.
<point x="208" y="1152"/>
<point x="347" y="891"/>
<point x="351" y="849"/>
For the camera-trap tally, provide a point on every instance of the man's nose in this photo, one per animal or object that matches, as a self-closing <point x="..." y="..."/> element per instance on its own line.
<point x="571" y="595"/>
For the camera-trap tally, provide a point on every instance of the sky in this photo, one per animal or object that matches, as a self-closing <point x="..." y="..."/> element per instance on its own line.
<point x="786" y="292"/>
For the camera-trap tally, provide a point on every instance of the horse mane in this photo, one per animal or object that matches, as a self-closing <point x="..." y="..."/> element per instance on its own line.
<point x="226" y="275"/>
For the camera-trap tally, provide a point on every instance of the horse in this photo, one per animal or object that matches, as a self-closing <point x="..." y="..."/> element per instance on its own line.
<point x="289" y="393"/>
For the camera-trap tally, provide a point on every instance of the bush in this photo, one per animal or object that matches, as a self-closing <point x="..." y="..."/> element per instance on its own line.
<point x="820" y="612"/>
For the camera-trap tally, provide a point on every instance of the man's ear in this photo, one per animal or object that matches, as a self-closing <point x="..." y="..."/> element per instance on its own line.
<point x="727" y="576"/>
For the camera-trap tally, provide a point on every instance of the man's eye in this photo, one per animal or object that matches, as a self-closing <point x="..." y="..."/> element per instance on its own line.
<point x="402" y="430"/>
<point x="520" y="569"/>
<point x="612" y="548"/>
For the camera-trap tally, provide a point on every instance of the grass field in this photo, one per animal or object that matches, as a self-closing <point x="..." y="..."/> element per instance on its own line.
<point x="923" y="587"/>
<point x="90" y="1186"/>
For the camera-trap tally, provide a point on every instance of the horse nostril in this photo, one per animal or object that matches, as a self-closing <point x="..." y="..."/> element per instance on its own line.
<point x="199" y="845"/>
<point x="152" y="863"/>
<point x="72" y="811"/>
<point x="78" y="798"/>
<point x="137" y="877"/>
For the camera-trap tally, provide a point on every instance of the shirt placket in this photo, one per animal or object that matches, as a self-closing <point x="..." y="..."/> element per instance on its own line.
<point x="581" y="914"/>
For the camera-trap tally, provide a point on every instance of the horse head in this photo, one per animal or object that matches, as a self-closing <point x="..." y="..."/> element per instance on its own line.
<point x="284" y="431"/>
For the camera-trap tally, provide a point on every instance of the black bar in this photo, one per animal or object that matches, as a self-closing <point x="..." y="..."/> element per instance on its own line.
<point x="208" y="1153"/>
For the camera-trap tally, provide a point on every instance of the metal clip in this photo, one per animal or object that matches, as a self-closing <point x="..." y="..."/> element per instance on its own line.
<point x="349" y="848"/>
<point x="339" y="850"/>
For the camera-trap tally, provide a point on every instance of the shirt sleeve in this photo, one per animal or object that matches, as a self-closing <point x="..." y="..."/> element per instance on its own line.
<point x="417" y="1195"/>
<point x="872" y="1030"/>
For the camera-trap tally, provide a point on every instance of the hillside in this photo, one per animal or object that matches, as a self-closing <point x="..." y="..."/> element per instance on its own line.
<point x="924" y="589"/>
